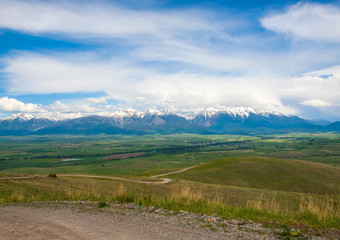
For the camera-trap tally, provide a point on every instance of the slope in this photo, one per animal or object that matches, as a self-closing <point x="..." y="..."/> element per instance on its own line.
<point x="267" y="173"/>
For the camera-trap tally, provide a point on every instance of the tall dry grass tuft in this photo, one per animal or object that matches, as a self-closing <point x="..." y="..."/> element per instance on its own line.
<point x="14" y="197"/>
<point x="262" y="203"/>
<point x="120" y="190"/>
<point x="187" y="193"/>
<point x="76" y="195"/>
<point x="324" y="208"/>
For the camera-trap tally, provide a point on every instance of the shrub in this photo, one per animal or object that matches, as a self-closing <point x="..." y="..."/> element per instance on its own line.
<point x="52" y="175"/>
<point x="102" y="204"/>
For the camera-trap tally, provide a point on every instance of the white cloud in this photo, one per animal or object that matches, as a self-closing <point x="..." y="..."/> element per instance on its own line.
<point x="57" y="110"/>
<point x="307" y="21"/>
<point x="13" y="105"/>
<point x="62" y="116"/>
<point x="226" y="58"/>
<point x="80" y="107"/>
<point x="100" y="19"/>
<point x="188" y="92"/>
<point x="317" y="103"/>
<point x="100" y="100"/>
<point x="40" y="74"/>
<point x="137" y="86"/>
<point x="312" y="87"/>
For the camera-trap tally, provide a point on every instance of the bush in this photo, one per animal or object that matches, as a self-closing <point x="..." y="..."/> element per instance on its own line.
<point x="52" y="175"/>
<point x="102" y="204"/>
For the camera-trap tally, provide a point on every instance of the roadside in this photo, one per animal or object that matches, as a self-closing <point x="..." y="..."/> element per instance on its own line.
<point x="84" y="220"/>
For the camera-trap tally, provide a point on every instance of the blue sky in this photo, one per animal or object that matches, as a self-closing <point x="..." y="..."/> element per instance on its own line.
<point x="73" y="58"/>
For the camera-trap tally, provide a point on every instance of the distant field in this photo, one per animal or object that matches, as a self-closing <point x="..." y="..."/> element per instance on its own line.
<point x="44" y="154"/>
<point x="123" y="156"/>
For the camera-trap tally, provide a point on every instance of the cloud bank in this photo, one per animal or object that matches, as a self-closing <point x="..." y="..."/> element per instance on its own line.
<point x="179" y="59"/>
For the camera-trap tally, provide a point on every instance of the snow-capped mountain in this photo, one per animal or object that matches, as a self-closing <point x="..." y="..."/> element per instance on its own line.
<point x="240" y="118"/>
<point x="126" y="113"/>
<point x="236" y="112"/>
<point x="129" y="121"/>
<point x="23" y="123"/>
<point x="22" y="116"/>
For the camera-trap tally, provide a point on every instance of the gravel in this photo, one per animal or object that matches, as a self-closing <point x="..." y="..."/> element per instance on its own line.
<point x="84" y="220"/>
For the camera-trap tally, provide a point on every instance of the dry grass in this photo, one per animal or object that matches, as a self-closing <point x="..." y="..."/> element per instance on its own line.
<point x="120" y="190"/>
<point x="263" y="203"/>
<point x="322" y="208"/>
<point x="187" y="193"/>
<point x="225" y="201"/>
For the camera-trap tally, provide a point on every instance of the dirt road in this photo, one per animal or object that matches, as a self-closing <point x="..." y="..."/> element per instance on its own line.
<point x="74" y="223"/>
<point x="162" y="180"/>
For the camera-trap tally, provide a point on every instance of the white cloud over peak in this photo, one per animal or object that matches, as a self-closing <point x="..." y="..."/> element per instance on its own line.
<point x="14" y="105"/>
<point x="137" y="87"/>
<point x="309" y="21"/>
<point x="317" y="103"/>
<point x="79" y="107"/>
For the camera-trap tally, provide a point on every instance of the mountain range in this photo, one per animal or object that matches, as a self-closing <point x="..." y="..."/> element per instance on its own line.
<point x="210" y="121"/>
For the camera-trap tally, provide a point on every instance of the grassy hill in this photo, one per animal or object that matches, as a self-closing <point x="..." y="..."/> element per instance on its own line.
<point x="267" y="173"/>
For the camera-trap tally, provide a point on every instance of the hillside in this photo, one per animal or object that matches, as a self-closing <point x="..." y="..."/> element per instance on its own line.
<point x="334" y="126"/>
<point x="267" y="173"/>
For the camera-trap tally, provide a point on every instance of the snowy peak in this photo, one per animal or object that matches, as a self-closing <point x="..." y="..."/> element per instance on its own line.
<point x="152" y="111"/>
<point x="242" y="112"/>
<point x="156" y="112"/>
<point x="210" y="112"/>
<point x="27" y="117"/>
<point x="21" y="116"/>
<point x="126" y="113"/>
<point x="122" y="114"/>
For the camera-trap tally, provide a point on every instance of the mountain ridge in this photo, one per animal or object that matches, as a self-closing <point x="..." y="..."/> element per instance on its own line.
<point x="129" y="121"/>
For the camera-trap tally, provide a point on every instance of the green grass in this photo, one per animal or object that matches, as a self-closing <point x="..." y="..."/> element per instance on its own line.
<point x="43" y="154"/>
<point x="270" y="207"/>
<point x="261" y="178"/>
<point x="267" y="173"/>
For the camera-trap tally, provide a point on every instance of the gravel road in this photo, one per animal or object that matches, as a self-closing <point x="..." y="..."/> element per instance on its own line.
<point x="85" y="221"/>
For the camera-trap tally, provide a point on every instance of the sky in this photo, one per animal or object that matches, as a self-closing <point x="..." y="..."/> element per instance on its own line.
<point x="73" y="58"/>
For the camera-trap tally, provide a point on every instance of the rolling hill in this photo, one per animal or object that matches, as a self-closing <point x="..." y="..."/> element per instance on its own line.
<point x="267" y="173"/>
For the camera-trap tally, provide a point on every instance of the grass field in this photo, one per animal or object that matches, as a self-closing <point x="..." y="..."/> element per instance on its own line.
<point x="277" y="179"/>
<point x="267" y="173"/>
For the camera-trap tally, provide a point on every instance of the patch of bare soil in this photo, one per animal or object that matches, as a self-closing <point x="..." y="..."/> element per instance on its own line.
<point x="85" y="221"/>
<point x="123" y="156"/>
